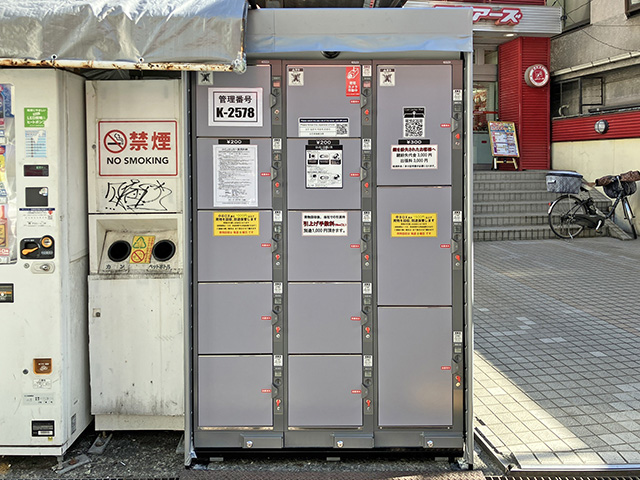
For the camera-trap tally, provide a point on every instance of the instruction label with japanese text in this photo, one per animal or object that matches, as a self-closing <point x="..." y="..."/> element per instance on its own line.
<point x="424" y="157"/>
<point x="327" y="224"/>
<point x="414" y="224"/>
<point x="236" y="224"/>
<point x="235" y="175"/>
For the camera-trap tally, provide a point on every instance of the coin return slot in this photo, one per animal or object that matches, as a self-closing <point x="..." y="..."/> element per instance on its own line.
<point x="119" y="251"/>
<point x="164" y="250"/>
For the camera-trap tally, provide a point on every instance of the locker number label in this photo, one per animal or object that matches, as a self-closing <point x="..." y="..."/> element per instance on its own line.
<point x="236" y="224"/>
<point x="235" y="107"/>
<point x="410" y="225"/>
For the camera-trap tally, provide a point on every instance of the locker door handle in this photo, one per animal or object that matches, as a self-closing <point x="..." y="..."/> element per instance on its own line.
<point x="274" y="246"/>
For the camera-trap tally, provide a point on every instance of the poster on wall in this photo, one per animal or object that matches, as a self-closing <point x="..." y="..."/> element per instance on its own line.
<point x="504" y="141"/>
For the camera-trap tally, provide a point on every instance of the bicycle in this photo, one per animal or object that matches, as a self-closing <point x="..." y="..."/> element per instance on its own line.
<point x="569" y="214"/>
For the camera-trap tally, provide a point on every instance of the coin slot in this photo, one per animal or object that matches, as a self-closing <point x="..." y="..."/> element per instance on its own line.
<point x="164" y="250"/>
<point x="119" y="251"/>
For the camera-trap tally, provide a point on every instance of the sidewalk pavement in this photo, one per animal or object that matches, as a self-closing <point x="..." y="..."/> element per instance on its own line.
<point x="557" y="351"/>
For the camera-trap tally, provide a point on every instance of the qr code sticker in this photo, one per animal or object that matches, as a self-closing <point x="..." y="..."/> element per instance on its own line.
<point x="413" y="128"/>
<point x="342" y="129"/>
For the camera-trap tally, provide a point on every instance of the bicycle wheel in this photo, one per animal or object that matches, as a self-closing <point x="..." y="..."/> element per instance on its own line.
<point x="628" y="214"/>
<point x="562" y="214"/>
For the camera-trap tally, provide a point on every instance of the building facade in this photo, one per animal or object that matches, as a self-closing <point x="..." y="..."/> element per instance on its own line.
<point x="510" y="37"/>
<point x="595" y="68"/>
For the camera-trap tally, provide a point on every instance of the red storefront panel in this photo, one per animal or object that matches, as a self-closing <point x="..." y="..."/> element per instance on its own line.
<point x="621" y="125"/>
<point x="527" y="107"/>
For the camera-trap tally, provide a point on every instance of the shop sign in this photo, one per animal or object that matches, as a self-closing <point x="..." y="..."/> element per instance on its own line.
<point x="536" y="75"/>
<point x="501" y="16"/>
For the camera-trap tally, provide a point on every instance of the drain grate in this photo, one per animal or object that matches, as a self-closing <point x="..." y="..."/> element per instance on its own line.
<point x="561" y="476"/>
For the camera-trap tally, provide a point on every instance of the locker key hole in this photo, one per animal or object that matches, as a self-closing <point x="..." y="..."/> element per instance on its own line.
<point x="119" y="251"/>
<point x="164" y="250"/>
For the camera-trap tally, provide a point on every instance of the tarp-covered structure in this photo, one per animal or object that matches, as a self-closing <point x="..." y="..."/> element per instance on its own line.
<point x="201" y="34"/>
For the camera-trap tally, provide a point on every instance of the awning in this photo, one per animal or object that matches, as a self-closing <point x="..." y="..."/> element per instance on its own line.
<point x="145" y="34"/>
<point x="362" y="30"/>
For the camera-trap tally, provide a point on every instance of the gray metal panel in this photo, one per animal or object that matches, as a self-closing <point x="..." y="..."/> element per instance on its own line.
<point x="324" y="318"/>
<point x="323" y="95"/>
<point x="324" y="391"/>
<point x="426" y="86"/>
<point x="234" y="391"/>
<point x="255" y="77"/>
<point x="414" y="271"/>
<point x="300" y="197"/>
<point x="205" y="172"/>
<point x="233" y="258"/>
<point x="234" y="318"/>
<point x="324" y="258"/>
<point x="414" y="367"/>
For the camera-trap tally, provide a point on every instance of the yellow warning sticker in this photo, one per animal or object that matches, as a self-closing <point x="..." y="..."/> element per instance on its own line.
<point x="236" y="224"/>
<point x="141" y="248"/>
<point x="414" y="224"/>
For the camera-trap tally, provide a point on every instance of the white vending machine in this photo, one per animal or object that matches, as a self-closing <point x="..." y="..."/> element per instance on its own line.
<point x="44" y="372"/>
<point x="135" y="145"/>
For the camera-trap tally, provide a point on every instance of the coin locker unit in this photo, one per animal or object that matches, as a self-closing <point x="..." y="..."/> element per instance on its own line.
<point x="331" y="245"/>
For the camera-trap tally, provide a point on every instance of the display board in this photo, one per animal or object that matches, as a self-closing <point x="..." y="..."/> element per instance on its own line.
<point x="504" y="140"/>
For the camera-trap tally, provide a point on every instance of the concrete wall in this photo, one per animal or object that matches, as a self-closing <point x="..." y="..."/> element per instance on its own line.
<point x="594" y="159"/>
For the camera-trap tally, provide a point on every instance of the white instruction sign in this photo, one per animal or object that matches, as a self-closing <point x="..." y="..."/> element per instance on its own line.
<point x="138" y="148"/>
<point x="235" y="107"/>
<point x="324" y="166"/>
<point x="417" y="157"/>
<point x="235" y="175"/>
<point x="326" y="224"/>
<point x="323" y="127"/>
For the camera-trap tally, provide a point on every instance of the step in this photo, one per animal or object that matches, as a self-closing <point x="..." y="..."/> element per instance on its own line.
<point x="514" y="196"/>
<point x="521" y="206"/>
<point x="485" y="234"/>
<point x="513" y="219"/>
<point x="520" y="175"/>
<point x="522" y="184"/>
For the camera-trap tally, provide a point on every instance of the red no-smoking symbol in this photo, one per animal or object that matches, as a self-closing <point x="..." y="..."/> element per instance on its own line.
<point x="115" y="141"/>
<point x="138" y="256"/>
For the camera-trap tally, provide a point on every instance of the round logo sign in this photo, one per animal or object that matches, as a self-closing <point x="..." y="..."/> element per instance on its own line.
<point x="536" y="75"/>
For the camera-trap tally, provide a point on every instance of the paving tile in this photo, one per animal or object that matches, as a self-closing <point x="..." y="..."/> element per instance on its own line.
<point x="631" y="456"/>
<point x="612" y="458"/>
<point x="590" y="458"/>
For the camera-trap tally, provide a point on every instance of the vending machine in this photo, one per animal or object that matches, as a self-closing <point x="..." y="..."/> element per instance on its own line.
<point x="136" y="291"/>
<point x="44" y="379"/>
<point x="330" y="255"/>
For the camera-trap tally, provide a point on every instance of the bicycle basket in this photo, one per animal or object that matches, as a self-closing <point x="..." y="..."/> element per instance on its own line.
<point x="613" y="189"/>
<point x="563" y="182"/>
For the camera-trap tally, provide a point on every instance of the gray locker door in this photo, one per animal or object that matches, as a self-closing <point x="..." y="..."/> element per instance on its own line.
<point x="421" y="86"/>
<point x="234" y="318"/>
<point x="320" y="94"/>
<point x="414" y="271"/>
<point x="414" y="367"/>
<point x="324" y="318"/>
<point x="301" y="195"/>
<point x="234" y="258"/>
<point x="234" y="391"/>
<point x="255" y="79"/>
<point x="324" y="391"/>
<point x="205" y="180"/>
<point x="324" y="258"/>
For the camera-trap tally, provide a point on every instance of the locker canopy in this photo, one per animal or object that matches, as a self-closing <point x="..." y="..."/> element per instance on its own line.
<point x="280" y="32"/>
<point x="123" y="33"/>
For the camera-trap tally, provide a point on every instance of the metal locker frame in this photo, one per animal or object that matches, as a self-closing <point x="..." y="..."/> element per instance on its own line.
<point x="459" y="437"/>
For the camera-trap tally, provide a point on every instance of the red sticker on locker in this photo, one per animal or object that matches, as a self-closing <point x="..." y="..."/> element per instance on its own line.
<point x="266" y="245"/>
<point x="356" y="319"/>
<point x="354" y="174"/>
<point x="265" y="317"/>
<point x="353" y="82"/>
<point x="445" y="125"/>
<point x="354" y="101"/>
<point x="266" y="390"/>
<point x="356" y="392"/>
<point x="265" y="174"/>
<point x="445" y="245"/>
<point x="446" y="367"/>
<point x="355" y="245"/>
